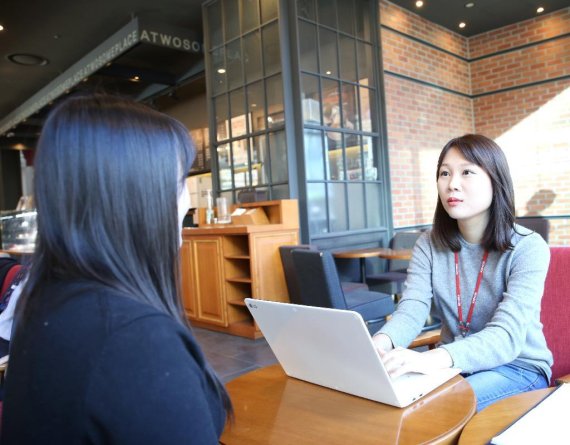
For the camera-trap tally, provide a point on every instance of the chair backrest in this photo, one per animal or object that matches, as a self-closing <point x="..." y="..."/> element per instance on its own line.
<point x="402" y="240"/>
<point x="539" y="225"/>
<point x="555" y="313"/>
<point x="291" y="278"/>
<point x="319" y="283"/>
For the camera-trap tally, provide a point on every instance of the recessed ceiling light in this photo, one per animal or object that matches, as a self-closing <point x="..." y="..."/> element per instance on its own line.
<point x="540" y="9"/>
<point x="221" y="70"/>
<point x="27" y="59"/>
<point x="328" y="72"/>
<point x="135" y="79"/>
<point x="462" y="25"/>
<point x="419" y="4"/>
<point x="469" y="5"/>
<point x="1" y="28"/>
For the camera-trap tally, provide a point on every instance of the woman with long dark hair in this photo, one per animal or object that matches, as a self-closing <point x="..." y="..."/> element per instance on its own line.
<point x="485" y="276"/>
<point x="102" y="352"/>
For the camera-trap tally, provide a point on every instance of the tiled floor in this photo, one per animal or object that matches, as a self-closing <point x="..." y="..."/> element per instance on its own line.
<point x="231" y="356"/>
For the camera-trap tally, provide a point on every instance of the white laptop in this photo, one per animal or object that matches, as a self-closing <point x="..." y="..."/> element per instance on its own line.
<point x="332" y="348"/>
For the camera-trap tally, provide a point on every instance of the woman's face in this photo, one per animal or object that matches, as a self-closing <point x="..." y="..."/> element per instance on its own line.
<point x="464" y="188"/>
<point x="183" y="206"/>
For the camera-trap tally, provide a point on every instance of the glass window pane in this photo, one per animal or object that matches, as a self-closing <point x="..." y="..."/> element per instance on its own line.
<point x="365" y="117"/>
<point x="256" y="104"/>
<point x="317" y="208"/>
<point x="311" y="99"/>
<point x="224" y="166"/>
<point x="271" y="51"/>
<point x="335" y="170"/>
<point x="346" y="16"/>
<point x="327" y="12"/>
<point x="349" y="106"/>
<point x="280" y="192"/>
<point x="218" y="70"/>
<point x="252" y="56"/>
<point x="328" y="52"/>
<point x="308" y="46"/>
<point x="314" y="159"/>
<point x="370" y="169"/>
<point x="347" y="59"/>
<point x="231" y="19"/>
<point x="331" y="103"/>
<point x="275" y="114"/>
<point x="278" y="154"/>
<point x="365" y="63"/>
<point x="259" y="161"/>
<point x="338" y="220"/>
<point x="238" y="114"/>
<point x="222" y="117"/>
<point x="249" y="15"/>
<point x="373" y="204"/>
<point x="234" y="69"/>
<point x="268" y="10"/>
<point x="306" y="9"/>
<point x="356" y="210"/>
<point x="215" y="23"/>
<point x="353" y="158"/>
<point x="240" y="163"/>
<point x="363" y="13"/>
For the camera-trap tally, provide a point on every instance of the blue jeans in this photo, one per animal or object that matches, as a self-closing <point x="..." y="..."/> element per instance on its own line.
<point x="503" y="381"/>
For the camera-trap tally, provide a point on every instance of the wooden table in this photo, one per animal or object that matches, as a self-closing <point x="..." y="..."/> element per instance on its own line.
<point x="498" y="416"/>
<point x="373" y="252"/>
<point x="271" y="408"/>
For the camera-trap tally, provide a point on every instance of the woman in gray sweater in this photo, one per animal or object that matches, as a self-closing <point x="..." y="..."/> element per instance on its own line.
<point x="485" y="276"/>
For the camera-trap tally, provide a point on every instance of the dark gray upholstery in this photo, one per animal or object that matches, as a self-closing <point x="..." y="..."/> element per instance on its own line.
<point x="537" y="224"/>
<point x="320" y="286"/>
<point x="393" y="278"/>
<point x="289" y="270"/>
<point x="291" y="276"/>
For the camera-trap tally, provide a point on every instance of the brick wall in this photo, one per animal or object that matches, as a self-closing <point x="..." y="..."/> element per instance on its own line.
<point x="420" y="118"/>
<point x="511" y="84"/>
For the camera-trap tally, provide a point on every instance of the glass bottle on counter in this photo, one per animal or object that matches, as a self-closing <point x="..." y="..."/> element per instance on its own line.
<point x="209" y="207"/>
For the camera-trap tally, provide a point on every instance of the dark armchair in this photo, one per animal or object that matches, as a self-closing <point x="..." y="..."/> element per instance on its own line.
<point x="393" y="278"/>
<point x="292" y="280"/>
<point x="537" y="224"/>
<point x="319" y="285"/>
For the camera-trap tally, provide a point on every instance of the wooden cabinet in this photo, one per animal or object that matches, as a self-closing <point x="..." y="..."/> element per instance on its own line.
<point x="222" y="265"/>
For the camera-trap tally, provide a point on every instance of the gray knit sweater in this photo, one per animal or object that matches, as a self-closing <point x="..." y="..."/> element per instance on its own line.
<point x="506" y="323"/>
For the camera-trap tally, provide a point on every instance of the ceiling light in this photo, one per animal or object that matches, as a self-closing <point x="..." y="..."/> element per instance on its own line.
<point x="221" y="70"/>
<point x="540" y="9"/>
<point x="419" y="4"/>
<point x="135" y="79"/>
<point x="19" y="147"/>
<point x="462" y="25"/>
<point x="328" y="72"/>
<point x="27" y="59"/>
<point x="1" y="28"/>
<point x="469" y="5"/>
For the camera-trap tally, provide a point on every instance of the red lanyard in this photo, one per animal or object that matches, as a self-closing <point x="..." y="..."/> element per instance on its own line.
<point x="464" y="326"/>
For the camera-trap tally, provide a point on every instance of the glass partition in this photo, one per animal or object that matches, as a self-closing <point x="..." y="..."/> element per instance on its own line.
<point x="246" y="93"/>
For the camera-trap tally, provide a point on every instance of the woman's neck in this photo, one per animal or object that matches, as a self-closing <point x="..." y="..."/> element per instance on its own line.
<point x="472" y="229"/>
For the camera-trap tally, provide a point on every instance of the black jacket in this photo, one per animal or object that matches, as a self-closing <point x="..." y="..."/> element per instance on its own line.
<point x="91" y="365"/>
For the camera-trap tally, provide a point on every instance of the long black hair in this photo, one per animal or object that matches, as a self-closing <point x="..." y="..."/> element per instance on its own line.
<point x="485" y="153"/>
<point x="108" y="175"/>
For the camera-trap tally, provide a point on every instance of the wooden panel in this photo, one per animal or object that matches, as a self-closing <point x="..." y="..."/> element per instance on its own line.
<point x="208" y="277"/>
<point x="268" y="278"/>
<point x="188" y="301"/>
